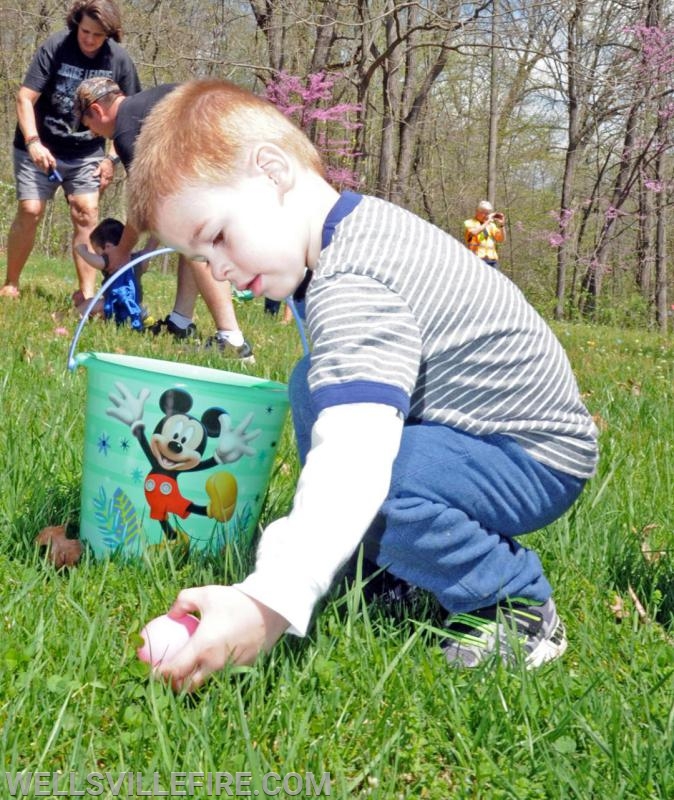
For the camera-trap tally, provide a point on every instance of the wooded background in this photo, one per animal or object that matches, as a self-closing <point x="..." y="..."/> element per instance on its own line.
<point x="559" y="112"/>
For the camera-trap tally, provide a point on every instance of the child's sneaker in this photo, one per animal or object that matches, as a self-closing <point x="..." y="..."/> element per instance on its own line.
<point x="244" y="352"/>
<point x="173" y="329"/>
<point x="533" y="629"/>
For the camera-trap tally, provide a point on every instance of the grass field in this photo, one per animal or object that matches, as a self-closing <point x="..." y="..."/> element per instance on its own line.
<point x="365" y="697"/>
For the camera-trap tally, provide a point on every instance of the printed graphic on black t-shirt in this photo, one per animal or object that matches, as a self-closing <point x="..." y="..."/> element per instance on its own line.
<point x="58" y="108"/>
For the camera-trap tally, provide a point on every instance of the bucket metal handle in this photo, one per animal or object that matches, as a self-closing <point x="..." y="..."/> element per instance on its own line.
<point x="300" y="324"/>
<point x="72" y="361"/>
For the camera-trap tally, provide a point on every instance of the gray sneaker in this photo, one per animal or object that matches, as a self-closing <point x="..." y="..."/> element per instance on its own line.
<point x="515" y="626"/>
<point x="244" y="352"/>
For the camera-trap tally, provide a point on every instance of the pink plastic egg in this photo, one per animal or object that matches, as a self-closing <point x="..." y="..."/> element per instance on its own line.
<point x="164" y="637"/>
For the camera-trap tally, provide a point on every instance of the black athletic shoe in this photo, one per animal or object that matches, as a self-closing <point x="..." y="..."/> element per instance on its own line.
<point x="179" y="333"/>
<point x="378" y="585"/>
<point x="386" y="590"/>
<point x="531" y="629"/>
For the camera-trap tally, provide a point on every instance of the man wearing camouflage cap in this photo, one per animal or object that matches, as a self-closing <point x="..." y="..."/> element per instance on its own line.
<point x="102" y="107"/>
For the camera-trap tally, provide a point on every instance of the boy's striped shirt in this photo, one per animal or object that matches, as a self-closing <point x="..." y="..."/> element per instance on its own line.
<point x="401" y="313"/>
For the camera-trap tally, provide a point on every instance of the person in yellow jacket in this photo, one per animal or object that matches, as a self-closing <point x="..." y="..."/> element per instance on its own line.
<point x="484" y="231"/>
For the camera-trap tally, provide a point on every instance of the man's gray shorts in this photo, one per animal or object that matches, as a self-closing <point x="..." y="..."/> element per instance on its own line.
<point x="33" y="184"/>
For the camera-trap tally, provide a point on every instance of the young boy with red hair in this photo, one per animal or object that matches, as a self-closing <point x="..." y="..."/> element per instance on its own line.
<point x="435" y="398"/>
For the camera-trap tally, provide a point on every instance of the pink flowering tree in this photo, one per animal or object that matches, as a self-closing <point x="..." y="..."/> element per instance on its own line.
<point x="309" y="102"/>
<point x="646" y="139"/>
<point x="640" y="113"/>
<point x="563" y="219"/>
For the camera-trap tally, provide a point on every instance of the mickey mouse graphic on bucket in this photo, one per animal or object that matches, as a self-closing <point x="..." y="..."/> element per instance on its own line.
<point x="174" y="454"/>
<point x="177" y="446"/>
<point x="139" y="496"/>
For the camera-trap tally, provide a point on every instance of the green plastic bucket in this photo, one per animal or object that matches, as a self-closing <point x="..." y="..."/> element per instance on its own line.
<point x="174" y="452"/>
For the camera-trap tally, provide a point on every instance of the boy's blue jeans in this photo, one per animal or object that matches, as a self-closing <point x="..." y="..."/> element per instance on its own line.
<point x="454" y="505"/>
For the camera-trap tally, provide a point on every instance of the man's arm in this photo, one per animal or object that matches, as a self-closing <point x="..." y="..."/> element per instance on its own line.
<point x="476" y="230"/>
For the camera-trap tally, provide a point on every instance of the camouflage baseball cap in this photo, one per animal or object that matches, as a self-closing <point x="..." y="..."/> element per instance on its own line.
<point x="88" y="92"/>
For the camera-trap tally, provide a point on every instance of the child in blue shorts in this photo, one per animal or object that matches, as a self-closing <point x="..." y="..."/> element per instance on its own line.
<point x="122" y="299"/>
<point x="437" y="416"/>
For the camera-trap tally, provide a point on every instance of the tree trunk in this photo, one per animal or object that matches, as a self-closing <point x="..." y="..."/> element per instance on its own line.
<point x="269" y="18"/>
<point x="661" y="310"/>
<point x="645" y="248"/>
<point x="570" y="161"/>
<point x="628" y="172"/>
<point x="492" y="139"/>
<point x="391" y="76"/>
<point x="409" y="130"/>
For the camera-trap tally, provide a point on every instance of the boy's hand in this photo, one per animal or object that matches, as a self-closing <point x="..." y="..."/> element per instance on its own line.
<point x="233" y="628"/>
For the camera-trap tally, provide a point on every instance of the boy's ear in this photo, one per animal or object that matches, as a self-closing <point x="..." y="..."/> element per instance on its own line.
<point x="274" y="162"/>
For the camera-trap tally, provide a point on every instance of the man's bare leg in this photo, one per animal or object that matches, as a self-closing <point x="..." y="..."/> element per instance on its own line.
<point x="194" y="278"/>
<point x="84" y="216"/>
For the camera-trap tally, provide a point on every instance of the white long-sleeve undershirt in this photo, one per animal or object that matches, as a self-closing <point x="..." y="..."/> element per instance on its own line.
<point x="344" y="481"/>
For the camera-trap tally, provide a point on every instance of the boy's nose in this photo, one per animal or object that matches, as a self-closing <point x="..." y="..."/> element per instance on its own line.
<point x="219" y="271"/>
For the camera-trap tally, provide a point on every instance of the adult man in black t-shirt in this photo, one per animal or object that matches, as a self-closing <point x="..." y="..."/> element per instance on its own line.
<point x="101" y="106"/>
<point x="47" y="151"/>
